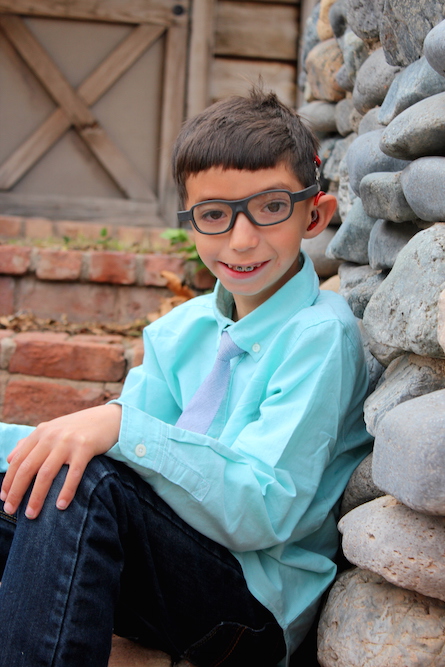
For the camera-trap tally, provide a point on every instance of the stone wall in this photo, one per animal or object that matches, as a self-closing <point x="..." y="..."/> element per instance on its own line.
<point x="374" y="82"/>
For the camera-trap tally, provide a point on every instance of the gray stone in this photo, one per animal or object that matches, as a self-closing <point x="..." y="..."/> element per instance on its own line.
<point x="434" y="48"/>
<point x="355" y="52"/>
<point x="316" y="249"/>
<point x="310" y="34"/>
<point x="357" y="285"/>
<point x="367" y="621"/>
<point x="331" y="167"/>
<point x="404" y="24"/>
<point x="351" y="241"/>
<point x="327" y="146"/>
<point x="403" y="546"/>
<point x="364" y="17"/>
<point x="338" y="19"/>
<point x="407" y="377"/>
<point x="320" y="116"/>
<point x="416" y="82"/>
<point x="372" y="82"/>
<point x="343" y="116"/>
<point x="370" y="122"/>
<point x="345" y="195"/>
<point x="361" y="487"/>
<point x="365" y="156"/>
<point x="441" y="321"/>
<point x="409" y="454"/>
<point x="375" y="368"/>
<point x="418" y="131"/>
<point x="402" y="313"/>
<point x="386" y="241"/>
<point x="382" y="197"/>
<point x="423" y="184"/>
<point x="343" y="79"/>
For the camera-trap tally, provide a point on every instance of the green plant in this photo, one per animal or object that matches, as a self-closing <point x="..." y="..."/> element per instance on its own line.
<point x="180" y="241"/>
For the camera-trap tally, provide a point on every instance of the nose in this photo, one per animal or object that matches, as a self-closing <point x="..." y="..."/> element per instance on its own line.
<point x="244" y="235"/>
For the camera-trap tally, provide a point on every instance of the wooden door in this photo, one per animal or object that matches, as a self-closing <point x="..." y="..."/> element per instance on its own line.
<point x="92" y="98"/>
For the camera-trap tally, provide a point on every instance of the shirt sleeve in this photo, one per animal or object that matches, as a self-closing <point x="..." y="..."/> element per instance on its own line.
<point x="258" y="490"/>
<point x="10" y="434"/>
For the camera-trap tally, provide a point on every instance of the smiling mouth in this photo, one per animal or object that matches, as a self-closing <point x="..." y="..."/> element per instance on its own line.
<point x="244" y="269"/>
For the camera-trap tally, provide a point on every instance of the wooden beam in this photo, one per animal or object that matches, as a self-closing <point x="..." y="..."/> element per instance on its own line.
<point x="63" y="207"/>
<point x="201" y="51"/>
<point x="110" y="157"/>
<point x="173" y="115"/>
<point x="121" y="11"/>
<point x="106" y="74"/>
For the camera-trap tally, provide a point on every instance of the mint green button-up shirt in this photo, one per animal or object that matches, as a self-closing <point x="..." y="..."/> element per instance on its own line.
<point x="266" y="479"/>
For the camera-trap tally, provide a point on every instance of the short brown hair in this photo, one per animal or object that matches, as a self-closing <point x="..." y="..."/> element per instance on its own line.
<point x="255" y="132"/>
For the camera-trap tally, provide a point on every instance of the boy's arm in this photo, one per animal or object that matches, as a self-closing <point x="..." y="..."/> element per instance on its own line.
<point x="73" y="440"/>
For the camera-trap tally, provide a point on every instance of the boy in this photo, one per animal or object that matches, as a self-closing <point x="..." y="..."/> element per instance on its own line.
<point x="209" y="529"/>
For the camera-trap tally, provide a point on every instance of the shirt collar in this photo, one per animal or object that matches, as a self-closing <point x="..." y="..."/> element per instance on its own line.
<point x="254" y="332"/>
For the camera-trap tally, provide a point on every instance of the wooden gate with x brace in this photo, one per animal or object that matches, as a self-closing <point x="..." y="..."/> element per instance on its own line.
<point x="151" y="21"/>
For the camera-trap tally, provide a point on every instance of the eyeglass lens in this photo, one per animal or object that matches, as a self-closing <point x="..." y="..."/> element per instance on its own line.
<point x="267" y="208"/>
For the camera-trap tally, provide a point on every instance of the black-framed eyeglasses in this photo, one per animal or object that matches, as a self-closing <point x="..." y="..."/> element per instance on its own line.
<point x="217" y="216"/>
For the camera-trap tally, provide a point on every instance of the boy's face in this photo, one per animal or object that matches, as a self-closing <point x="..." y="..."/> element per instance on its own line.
<point x="251" y="262"/>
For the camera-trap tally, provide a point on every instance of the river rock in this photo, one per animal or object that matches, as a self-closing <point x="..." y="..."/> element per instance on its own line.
<point x="403" y="546"/>
<point x="364" y="17"/>
<point x="367" y="621"/>
<point x="320" y="116"/>
<point x="310" y="34"/>
<point x="375" y="368"/>
<point x="406" y="377"/>
<point x="402" y="314"/>
<point x="434" y="48"/>
<point x="422" y="181"/>
<point x="355" y="52"/>
<point x="322" y="64"/>
<point x="351" y="241"/>
<point x="386" y="241"/>
<point x="345" y="195"/>
<point x="372" y="82"/>
<point x="441" y="321"/>
<point x="337" y="18"/>
<point x="418" y="131"/>
<point x="370" y="121"/>
<point x="403" y="26"/>
<point x="365" y="156"/>
<point x="338" y="152"/>
<point x="358" y="284"/>
<point x="416" y="82"/>
<point x="409" y="454"/>
<point x="360" y="488"/>
<point x="383" y="197"/>
<point x="343" y="111"/>
<point x="316" y="249"/>
<point x="324" y="28"/>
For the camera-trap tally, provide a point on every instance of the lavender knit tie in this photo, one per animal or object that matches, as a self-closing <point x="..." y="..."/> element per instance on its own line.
<point x="200" y="412"/>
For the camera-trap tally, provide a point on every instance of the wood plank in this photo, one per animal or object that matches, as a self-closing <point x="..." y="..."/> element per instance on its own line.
<point x="172" y="116"/>
<point x="256" y="30"/>
<point x="121" y="11"/>
<point x="236" y="77"/>
<point x="106" y="74"/>
<point x="117" y="165"/>
<point x="200" y="53"/>
<point x="60" y="207"/>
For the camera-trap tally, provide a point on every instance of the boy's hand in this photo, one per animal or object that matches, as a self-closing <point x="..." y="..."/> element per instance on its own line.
<point x="73" y="439"/>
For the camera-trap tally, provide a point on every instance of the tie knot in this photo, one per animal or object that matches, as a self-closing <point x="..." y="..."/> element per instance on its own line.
<point x="227" y="348"/>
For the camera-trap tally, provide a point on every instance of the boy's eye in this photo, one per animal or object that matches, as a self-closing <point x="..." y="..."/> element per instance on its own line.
<point x="209" y="215"/>
<point x="275" y="206"/>
<point x="212" y="215"/>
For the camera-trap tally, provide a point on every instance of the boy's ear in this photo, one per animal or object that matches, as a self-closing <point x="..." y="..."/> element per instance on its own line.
<point x="321" y="214"/>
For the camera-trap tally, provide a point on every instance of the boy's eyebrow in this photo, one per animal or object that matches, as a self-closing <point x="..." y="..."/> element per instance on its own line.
<point x="276" y="186"/>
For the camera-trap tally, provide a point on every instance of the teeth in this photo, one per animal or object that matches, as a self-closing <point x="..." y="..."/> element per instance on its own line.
<point x="243" y="269"/>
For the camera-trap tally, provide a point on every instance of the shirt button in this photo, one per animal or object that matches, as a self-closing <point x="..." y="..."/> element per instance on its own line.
<point x="140" y="450"/>
<point x="256" y="347"/>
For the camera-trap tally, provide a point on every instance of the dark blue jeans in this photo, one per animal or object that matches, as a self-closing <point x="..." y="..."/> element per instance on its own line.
<point x="120" y="560"/>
